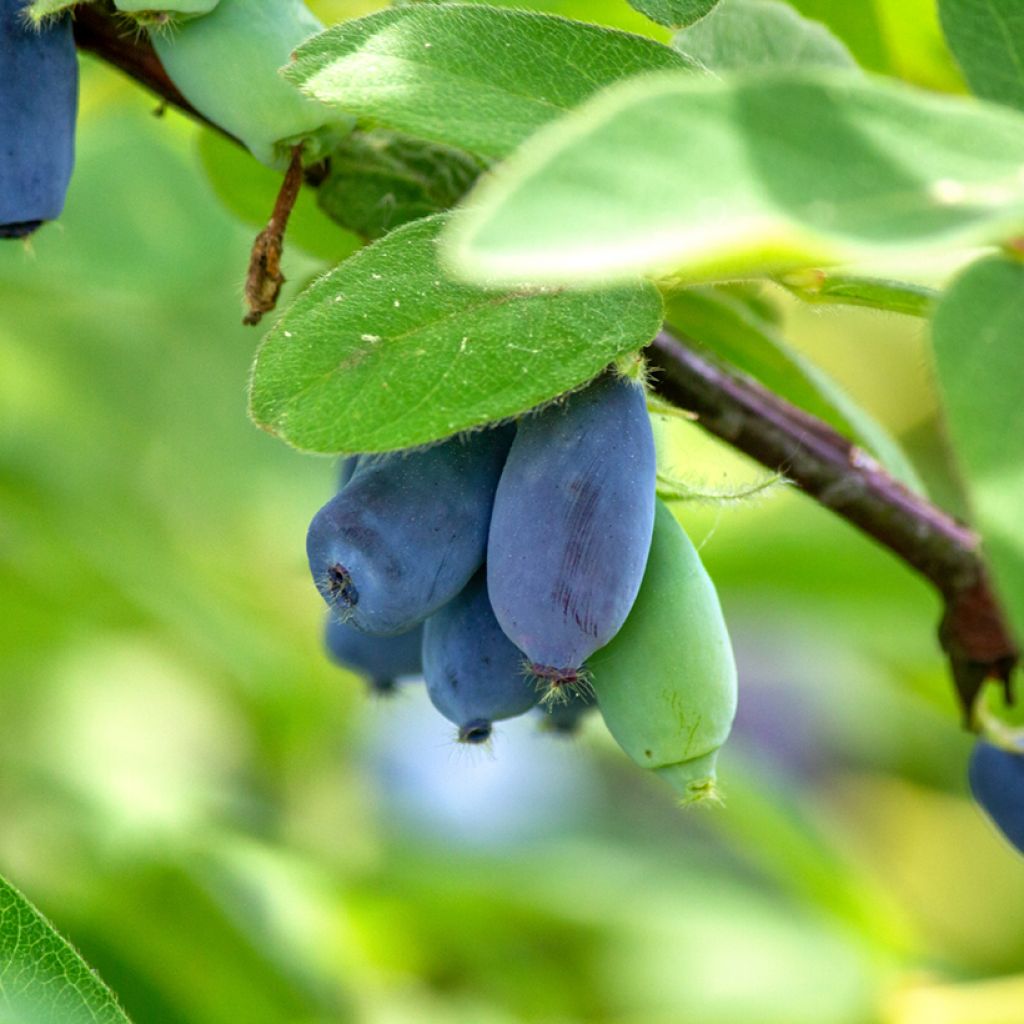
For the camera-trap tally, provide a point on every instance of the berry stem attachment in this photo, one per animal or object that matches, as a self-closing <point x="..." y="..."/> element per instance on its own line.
<point x="265" y="278"/>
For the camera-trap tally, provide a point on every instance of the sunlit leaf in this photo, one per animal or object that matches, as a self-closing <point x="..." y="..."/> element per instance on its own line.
<point x="478" y="78"/>
<point x="718" y="178"/>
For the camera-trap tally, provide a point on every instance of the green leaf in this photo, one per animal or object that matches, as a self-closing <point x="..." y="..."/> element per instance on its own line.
<point x="711" y="178"/>
<point x="42" y="979"/>
<point x="674" y="13"/>
<point x="712" y="318"/>
<point x="900" y="39"/>
<point x="477" y="78"/>
<point x="977" y="334"/>
<point x="380" y="180"/>
<point x="385" y="352"/>
<point x="987" y="39"/>
<point x="761" y="34"/>
<point x="845" y="289"/>
<point x="248" y="189"/>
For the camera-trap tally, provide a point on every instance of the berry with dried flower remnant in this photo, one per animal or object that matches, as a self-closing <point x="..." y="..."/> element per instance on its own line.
<point x="571" y="526"/>
<point x="666" y="685"/>
<point x="406" y="532"/>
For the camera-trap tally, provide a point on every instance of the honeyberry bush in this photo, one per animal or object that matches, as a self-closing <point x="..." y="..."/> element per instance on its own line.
<point x="224" y="826"/>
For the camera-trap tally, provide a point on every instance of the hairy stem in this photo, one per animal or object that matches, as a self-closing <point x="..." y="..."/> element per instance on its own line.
<point x="265" y="277"/>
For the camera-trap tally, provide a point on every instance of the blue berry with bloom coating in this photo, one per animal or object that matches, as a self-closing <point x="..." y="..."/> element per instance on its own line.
<point x="997" y="783"/>
<point x="572" y="524"/>
<point x="407" y="531"/>
<point x="474" y="673"/>
<point x="380" y="660"/>
<point x="38" y="105"/>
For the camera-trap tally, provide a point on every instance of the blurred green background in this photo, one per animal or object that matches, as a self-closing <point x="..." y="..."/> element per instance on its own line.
<point x="231" y="831"/>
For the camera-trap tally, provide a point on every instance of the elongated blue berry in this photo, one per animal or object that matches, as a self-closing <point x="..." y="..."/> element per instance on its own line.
<point x="997" y="782"/>
<point x="572" y="524"/>
<point x="474" y="673"/>
<point x="407" y="531"/>
<point x="380" y="660"/>
<point x="38" y="104"/>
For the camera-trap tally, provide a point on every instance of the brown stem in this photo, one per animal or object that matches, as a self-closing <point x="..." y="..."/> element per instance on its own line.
<point x="99" y="32"/>
<point x="850" y="483"/>
<point x="264" y="279"/>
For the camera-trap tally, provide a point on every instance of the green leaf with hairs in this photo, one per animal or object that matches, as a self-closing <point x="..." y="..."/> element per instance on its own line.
<point x="386" y="352"/>
<point x="987" y="39"/>
<point x="42" y="979"/>
<point x="741" y="34"/>
<point x="478" y="78"/>
<point x="698" y="178"/>
<point x="674" y="13"/>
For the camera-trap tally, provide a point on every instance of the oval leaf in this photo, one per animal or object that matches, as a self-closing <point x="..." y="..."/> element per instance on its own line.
<point x="477" y="78"/>
<point x="987" y="39"/>
<point x="718" y="178"/>
<point x="979" y="357"/>
<point x="761" y="34"/>
<point x="380" y="180"/>
<point x="674" y="13"/>
<point x="42" y="979"/>
<point x="384" y="352"/>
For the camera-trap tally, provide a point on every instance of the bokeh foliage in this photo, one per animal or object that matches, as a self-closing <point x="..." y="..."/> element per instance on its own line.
<point x="230" y="831"/>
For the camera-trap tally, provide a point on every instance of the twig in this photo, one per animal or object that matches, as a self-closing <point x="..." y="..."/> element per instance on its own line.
<point x="854" y="486"/>
<point x="264" y="279"/>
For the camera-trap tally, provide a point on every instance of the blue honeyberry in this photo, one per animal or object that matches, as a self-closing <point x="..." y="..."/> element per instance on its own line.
<point x="38" y="105"/>
<point x="380" y="660"/>
<point x="407" y="532"/>
<point x="996" y="777"/>
<point x="474" y="673"/>
<point x="571" y="527"/>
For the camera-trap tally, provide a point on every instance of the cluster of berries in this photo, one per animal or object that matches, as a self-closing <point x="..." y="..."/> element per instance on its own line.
<point x="38" y="108"/>
<point x="532" y="562"/>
